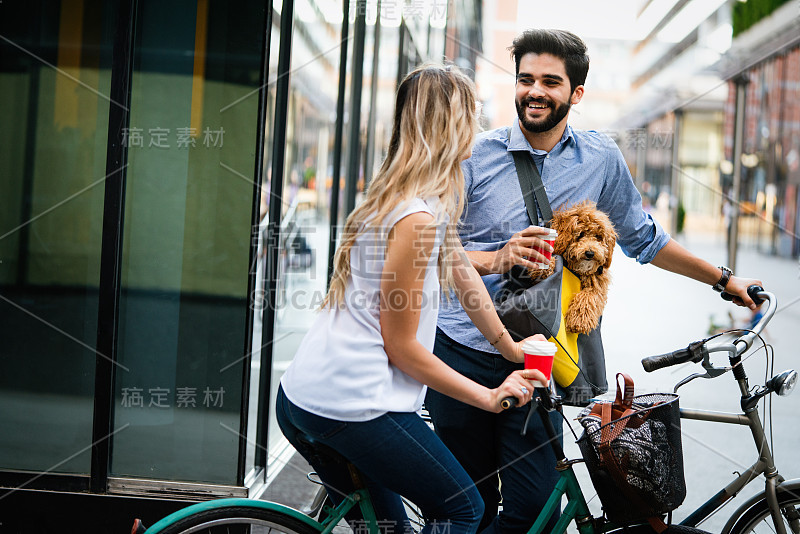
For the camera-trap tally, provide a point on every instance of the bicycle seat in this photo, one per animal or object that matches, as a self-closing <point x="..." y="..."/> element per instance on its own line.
<point x="318" y="453"/>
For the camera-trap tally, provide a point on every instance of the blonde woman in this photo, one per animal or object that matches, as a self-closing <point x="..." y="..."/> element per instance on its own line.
<point x="359" y="375"/>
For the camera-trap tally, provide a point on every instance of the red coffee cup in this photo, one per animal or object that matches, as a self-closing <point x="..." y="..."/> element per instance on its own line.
<point x="547" y="253"/>
<point x="539" y="355"/>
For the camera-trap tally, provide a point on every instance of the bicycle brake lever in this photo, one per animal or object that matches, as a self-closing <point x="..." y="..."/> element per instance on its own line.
<point x="532" y="407"/>
<point x="546" y="399"/>
<point x="711" y="372"/>
<point x="687" y="380"/>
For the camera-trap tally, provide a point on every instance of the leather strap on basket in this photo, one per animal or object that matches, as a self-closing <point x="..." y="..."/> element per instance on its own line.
<point x="624" y="397"/>
<point x="609" y="432"/>
<point x="619" y="411"/>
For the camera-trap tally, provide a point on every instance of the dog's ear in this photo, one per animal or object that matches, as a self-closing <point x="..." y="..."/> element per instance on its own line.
<point x="566" y="224"/>
<point x="610" y="245"/>
<point x="610" y="239"/>
<point x="561" y="218"/>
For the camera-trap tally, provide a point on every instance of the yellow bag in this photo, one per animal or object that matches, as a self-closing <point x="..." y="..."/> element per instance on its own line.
<point x="538" y="307"/>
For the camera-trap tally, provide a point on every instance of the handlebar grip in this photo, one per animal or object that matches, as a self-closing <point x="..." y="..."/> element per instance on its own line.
<point x="752" y="292"/>
<point x="508" y="403"/>
<point x="653" y="363"/>
<point x="693" y="353"/>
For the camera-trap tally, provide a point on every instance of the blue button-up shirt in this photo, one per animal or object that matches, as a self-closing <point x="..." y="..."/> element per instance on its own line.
<point x="584" y="165"/>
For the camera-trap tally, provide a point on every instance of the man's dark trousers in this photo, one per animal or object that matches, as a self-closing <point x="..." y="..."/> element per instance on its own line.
<point x="489" y="445"/>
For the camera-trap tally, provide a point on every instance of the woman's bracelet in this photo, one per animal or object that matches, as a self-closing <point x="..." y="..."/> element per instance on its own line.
<point x="499" y="337"/>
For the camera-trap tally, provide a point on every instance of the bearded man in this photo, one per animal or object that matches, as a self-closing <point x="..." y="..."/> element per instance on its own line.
<point x="551" y="69"/>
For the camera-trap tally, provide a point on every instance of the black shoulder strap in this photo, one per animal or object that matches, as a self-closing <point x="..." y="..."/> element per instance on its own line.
<point x="530" y="181"/>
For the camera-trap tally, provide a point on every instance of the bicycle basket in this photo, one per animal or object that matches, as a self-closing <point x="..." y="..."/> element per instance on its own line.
<point x="632" y="448"/>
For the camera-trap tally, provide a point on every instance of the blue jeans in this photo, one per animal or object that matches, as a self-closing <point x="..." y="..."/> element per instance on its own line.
<point x="398" y="454"/>
<point x="489" y="445"/>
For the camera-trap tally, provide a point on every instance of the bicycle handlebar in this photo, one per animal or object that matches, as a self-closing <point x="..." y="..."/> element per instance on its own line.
<point x="508" y="403"/>
<point x="698" y="350"/>
<point x="752" y="292"/>
<point x="693" y="353"/>
<point x="546" y="394"/>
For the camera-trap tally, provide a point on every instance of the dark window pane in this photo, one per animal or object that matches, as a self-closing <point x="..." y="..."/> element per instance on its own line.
<point x="54" y="86"/>
<point x="189" y="200"/>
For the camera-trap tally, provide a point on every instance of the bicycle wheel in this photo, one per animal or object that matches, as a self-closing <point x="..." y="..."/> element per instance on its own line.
<point x="239" y="519"/>
<point x="647" y="529"/>
<point x="758" y="518"/>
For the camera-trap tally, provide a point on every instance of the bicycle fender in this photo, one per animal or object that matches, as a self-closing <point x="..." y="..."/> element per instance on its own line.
<point x="221" y="503"/>
<point x="788" y="485"/>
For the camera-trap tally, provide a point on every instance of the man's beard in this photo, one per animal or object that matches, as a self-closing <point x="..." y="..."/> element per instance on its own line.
<point x="546" y="124"/>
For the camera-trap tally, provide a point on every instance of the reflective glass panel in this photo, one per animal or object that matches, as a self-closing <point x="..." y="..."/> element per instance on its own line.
<point x="189" y="198"/>
<point x="54" y="86"/>
<point x="308" y="173"/>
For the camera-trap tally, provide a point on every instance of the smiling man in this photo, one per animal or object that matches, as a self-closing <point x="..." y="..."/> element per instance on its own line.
<point x="545" y="95"/>
<point x="551" y="69"/>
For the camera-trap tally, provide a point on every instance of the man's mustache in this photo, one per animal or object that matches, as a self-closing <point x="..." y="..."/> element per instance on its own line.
<point x="531" y="100"/>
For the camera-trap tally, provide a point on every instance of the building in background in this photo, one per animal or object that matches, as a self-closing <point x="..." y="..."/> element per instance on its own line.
<point x="172" y="175"/>
<point x="765" y="59"/>
<point x="495" y="69"/>
<point x="673" y="121"/>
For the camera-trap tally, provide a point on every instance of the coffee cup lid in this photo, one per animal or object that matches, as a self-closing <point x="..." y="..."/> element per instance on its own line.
<point x="552" y="235"/>
<point x="536" y="346"/>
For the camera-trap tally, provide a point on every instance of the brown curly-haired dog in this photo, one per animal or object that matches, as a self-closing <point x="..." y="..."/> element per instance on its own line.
<point x="586" y="239"/>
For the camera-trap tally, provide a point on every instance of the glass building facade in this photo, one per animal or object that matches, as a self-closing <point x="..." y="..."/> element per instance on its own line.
<point x="172" y="176"/>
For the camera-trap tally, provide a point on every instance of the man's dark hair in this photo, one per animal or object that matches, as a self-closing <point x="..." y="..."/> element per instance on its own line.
<point x="559" y="43"/>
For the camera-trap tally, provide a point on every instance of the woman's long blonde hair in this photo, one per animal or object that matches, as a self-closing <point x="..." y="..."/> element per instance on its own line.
<point x="434" y="127"/>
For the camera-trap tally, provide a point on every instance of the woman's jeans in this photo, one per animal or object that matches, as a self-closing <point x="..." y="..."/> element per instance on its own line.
<point x="490" y="446"/>
<point x="398" y="454"/>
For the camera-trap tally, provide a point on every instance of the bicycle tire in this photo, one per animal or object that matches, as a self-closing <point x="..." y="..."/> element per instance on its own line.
<point x="647" y="529"/>
<point x="758" y="518"/>
<point x="232" y="519"/>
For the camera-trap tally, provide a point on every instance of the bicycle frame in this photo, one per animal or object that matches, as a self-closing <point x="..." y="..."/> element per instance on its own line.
<point x="576" y="509"/>
<point x="765" y="464"/>
<point x="359" y="497"/>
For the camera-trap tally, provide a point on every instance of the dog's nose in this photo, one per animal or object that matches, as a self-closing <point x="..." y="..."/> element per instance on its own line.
<point x="589" y="254"/>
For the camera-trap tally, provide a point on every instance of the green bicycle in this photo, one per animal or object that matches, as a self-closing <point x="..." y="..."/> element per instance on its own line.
<point x="253" y="516"/>
<point x="777" y="509"/>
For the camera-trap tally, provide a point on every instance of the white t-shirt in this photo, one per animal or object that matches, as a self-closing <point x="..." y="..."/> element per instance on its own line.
<point x="341" y="370"/>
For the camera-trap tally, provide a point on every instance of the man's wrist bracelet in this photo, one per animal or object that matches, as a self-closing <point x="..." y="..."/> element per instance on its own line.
<point x="723" y="281"/>
<point x="502" y="333"/>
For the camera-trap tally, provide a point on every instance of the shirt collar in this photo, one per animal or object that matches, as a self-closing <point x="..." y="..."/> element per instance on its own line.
<point x="517" y="140"/>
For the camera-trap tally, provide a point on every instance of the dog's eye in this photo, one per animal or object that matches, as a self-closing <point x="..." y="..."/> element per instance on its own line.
<point x="580" y="235"/>
<point x="599" y="237"/>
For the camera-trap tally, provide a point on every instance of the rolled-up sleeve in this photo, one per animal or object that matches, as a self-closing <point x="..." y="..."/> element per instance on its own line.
<point x="638" y="234"/>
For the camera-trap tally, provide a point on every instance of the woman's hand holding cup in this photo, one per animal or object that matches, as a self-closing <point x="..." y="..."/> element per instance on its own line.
<point x="538" y="354"/>
<point x="519" y="385"/>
